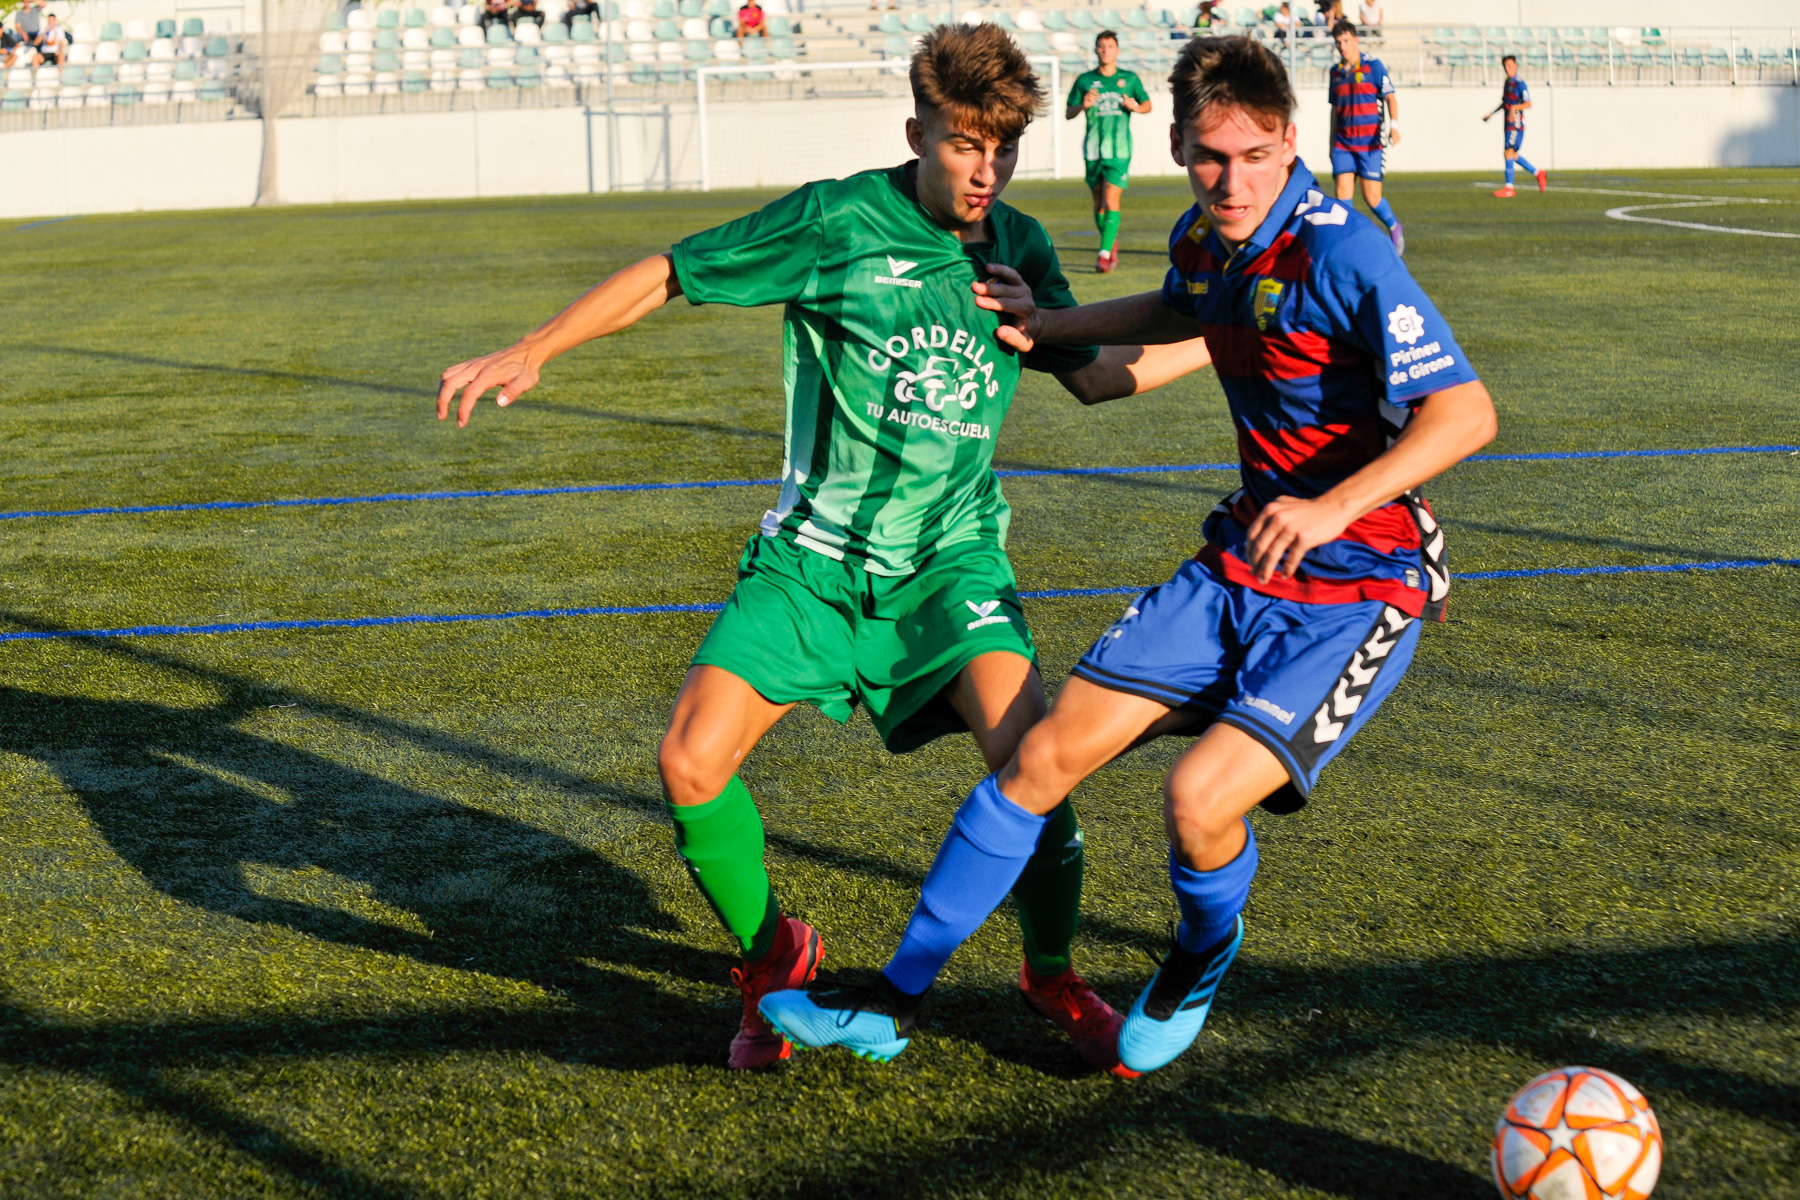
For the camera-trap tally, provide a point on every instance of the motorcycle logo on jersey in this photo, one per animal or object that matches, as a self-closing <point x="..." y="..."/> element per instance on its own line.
<point x="937" y="386"/>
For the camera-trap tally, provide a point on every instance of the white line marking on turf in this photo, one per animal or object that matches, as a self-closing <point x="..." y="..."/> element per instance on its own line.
<point x="1627" y="212"/>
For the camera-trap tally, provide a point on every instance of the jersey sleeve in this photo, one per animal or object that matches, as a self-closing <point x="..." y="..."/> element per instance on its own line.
<point x="1374" y="304"/>
<point x="1050" y="288"/>
<point x="1137" y="89"/>
<point x="1524" y="92"/>
<point x="767" y="257"/>
<point x="1385" y="84"/>
<point x="1075" y="93"/>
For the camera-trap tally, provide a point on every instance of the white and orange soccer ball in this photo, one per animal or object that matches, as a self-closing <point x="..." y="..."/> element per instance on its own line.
<point x="1578" y="1133"/>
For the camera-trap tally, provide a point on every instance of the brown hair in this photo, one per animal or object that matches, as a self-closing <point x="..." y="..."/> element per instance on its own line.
<point x="978" y="79"/>
<point x="1231" y="72"/>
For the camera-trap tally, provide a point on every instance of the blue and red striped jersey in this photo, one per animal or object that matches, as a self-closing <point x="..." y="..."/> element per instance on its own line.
<point x="1356" y="94"/>
<point x="1512" y="94"/>
<point x="1323" y="343"/>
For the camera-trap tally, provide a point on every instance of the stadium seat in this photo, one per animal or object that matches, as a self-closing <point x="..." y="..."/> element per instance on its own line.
<point x="663" y="10"/>
<point x="415" y="59"/>
<point x="74" y="77"/>
<point x="111" y="32"/>
<point x="210" y="89"/>
<point x="780" y="27"/>
<point x="1591" y="58"/>
<point x="470" y="35"/>
<point x="134" y="52"/>
<point x="1028" y="21"/>
<point x="80" y="52"/>
<point x="1061" y="42"/>
<point x="1136" y="18"/>
<point x="49" y="76"/>
<point x="14" y="101"/>
<point x="105" y="75"/>
<point x="668" y="52"/>
<point x="184" y="91"/>
<point x="782" y="48"/>
<point x="442" y="81"/>
<point x="528" y="34"/>
<point x="669" y="75"/>
<point x="500" y="56"/>
<point x="19" y="77"/>
<point x="690" y="9"/>
<point x="499" y="35"/>
<point x="162" y="50"/>
<point x="756" y="50"/>
<point x="387" y="39"/>
<point x="442" y="17"/>
<point x="555" y="33"/>
<point x="897" y="46"/>
<point x="727" y="50"/>
<point x="387" y="18"/>
<point x="667" y="31"/>
<point x="499" y="79"/>
<point x="165" y="28"/>
<point x="636" y="30"/>
<point x="528" y="56"/>
<point x="471" y="59"/>
<point x="1054" y="21"/>
<point x="1003" y="19"/>
<point x="387" y="63"/>
<point x="358" y="18"/>
<point x="358" y="41"/>
<point x="331" y="42"/>
<point x="890" y="23"/>
<point x="1083" y="19"/>
<point x="415" y="19"/>
<point x="697" y="52"/>
<point x="693" y="27"/>
<point x="108" y="52"/>
<point x="414" y="81"/>
<point x="468" y="14"/>
<point x="1147" y="39"/>
<point x="137" y="31"/>
<point x="416" y="39"/>
<point x="719" y="27"/>
<point x="1037" y="43"/>
<point x="918" y="23"/>
<point x="471" y="79"/>
<point x="529" y="77"/>
<point x="187" y="69"/>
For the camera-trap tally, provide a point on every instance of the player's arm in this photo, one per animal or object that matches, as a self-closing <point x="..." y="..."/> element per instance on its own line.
<point x="621" y="300"/>
<point x="1120" y="371"/>
<point x="1141" y="320"/>
<point x="1446" y="427"/>
<point x="1077" y="106"/>
<point x="1393" y="107"/>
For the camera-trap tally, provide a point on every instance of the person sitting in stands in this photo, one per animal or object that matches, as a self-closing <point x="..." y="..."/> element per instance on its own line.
<point x="581" y="8"/>
<point x="52" y="43"/>
<point x="9" y="46"/>
<point x="751" y="21"/>
<point x="527" y="10"/>
<point x="494" y="12"/>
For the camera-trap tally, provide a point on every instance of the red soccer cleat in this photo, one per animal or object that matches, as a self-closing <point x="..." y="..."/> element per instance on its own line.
<point x="1076" y="1009"/>
<point x="1106" y="262"/>
<point x="1543" y="178"/>
<point x="1505" y="193"/>
<point x="791" y="962"/>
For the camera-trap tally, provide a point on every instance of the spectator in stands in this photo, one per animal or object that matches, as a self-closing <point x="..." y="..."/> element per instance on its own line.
<point x="1370" y="15"/>
<point x="526" y="10"/>
<point x="495" y="12"/>
<point x="752" y="21"/>
<point x="30" y="21"/>
<point x="10" y="41"/>
<point x="581" y="8"/>
<point x="1210" y="15"/>
<point x="1284" y="20"/>
<point x="52" y="42"/>
<point x="1330" y="13"/>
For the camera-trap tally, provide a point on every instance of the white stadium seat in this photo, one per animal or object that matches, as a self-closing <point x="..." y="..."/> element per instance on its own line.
<point x="443" y="60"/>
<point x="471" y="79"/>
<point x="637" y="10"/>
<point x="107" y="52"/>
<point x="556" y="52"/>
<point x="638" y="52"/>
<point x="356" y="83"/>
<point x="156" y="92"/>
<point x="137" y="31"/>
<point x="358" y="62"/>
<point x="359" y="39"/>
<point x="49" y="76"/>
<point x="159" y="72"/>
<point x="185" y="91"/>
<point x="83" y="31"/>
<point x="97" y="97"/>
<point x="588" y="52"/>
<point x="669" y="52"/>
<point x="443" y="80"/>
<point x="639" y="31"/>
<point x="416" y="39"/>
<point x="502" y="56"/>
<point x="162" y="50"/>
<point x="387" y="83"/>
<point x="1065" y="42"/>
<point x="727" y="50"/>
<point x="443" y="16"/>
<point x="468" y="14"/>
<point x="80" y="52"/>
<point x="71" y="97"/>
<point x="528" y="34"/>
<point x="694" y="28"/>
<point x="131" y="72"/>
<point x="471" y="35"/>
<point x="331" y="42"/>
<point x="358" y="19"/>
<point x="19" y="78"/>
<point x="418" y="60"/>
<point x="1028" y="21"/>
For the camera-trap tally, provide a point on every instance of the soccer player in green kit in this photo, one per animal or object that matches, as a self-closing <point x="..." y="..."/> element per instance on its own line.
<point x="1108" y="95"/>
<point x="881" y="575"/>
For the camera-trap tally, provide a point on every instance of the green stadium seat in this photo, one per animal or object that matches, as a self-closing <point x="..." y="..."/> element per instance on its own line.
<point x="890" y="23"/>
<point x="334" y="21"/>
<point x="1003" y="19"/>
<point x="112" y="31"/>
<point x="1037" y="43"/>
<point x="781" y="47"/>
<point x="499" y="35"/>
<point x="663" y="10"/>
<point x="897" y="46"/>
<point x="1144" y="39"/>
<point x="918" y="23"/>
<point x="76" y="76"/>
<point x="217" y="47"/>
<point x="414" y="81"/>
<point x="165" y="28"/>
<point x="1247" y="17"/>
<point x="780" y="27"/>
<point x="105" y="74"/>
<point x="193" y="27"/>
<point x="720" y="8"/>
<point x="641" y="74"/>
<point x="670" y="75"/>
<point x="668" y="31"/>
<point x="1592" y="57"/>
<point x="719" y="27"/>
<point x="128" y="94"/>
<point x="212" y="89"/>
<point x="691" y="8"/>
<point x="387" y="18"/>
<point x="499" y="78"/>
<point x="529" y="77"/>
<point x="698" y="52"/>
<point x="555" y="31"/>
<point x="331" y="64"/>
<point x="1082" y="19"/>
<point x="443" y="39"/>
<point x="134" y="52"/>
<point x="1055" y="22"/>
<point x="1136" y="18"/>
<point x="387" y="39"/>
<point x="756" y="49"/>
<point x="187" y="68"/>
<point x="471" y="59"/>
<point x="415" y="19"/>
<point x="1109" y="18"/>
<point x="1717" y="57"/>
<point x="14" y="100"/>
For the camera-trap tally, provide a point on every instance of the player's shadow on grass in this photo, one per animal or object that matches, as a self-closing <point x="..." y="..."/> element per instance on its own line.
<point x="247" y="827"/>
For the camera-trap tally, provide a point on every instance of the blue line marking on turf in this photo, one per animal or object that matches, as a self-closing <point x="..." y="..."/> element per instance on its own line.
<point x="642" y="610"/>
<point x="35" y="224"/>
<point x="701" y="484"/>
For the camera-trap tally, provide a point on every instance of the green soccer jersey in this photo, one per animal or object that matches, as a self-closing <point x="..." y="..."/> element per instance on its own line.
<point x="1108" y="120"/>
<point x="896" y="384"/>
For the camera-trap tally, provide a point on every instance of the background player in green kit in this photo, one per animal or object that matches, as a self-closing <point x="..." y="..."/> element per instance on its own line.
<point x="881" y="575"/>
<point x="1108" y="95"/>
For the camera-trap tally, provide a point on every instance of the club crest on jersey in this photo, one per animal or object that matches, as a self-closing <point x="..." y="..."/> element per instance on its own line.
<point x="1268" y="299"/>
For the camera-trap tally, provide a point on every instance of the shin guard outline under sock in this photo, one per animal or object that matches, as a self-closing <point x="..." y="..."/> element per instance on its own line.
<point x="1109" y="232"/>
<point x="989" y="843"/>
<point x="1048" y="894"/>
<point x="721" y="842"/>
<point x="1210" y="901"/>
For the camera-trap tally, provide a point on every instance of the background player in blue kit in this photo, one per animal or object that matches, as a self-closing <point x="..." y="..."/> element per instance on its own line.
<point x="1515" y="98"/>
<point x="1359" y="87"/>
<point x="1278" y="640"/>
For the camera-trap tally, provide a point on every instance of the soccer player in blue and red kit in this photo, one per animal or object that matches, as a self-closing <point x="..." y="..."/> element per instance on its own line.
<point x="1359" y="87"/>
<point x="1277" y="641"/>
<point x="1515" y="98"/>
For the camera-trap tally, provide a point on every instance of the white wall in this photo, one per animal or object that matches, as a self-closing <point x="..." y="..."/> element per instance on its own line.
<point x="549" y="151"/>
<point x="1633" y="13"/>
<point x="59" y="172"/>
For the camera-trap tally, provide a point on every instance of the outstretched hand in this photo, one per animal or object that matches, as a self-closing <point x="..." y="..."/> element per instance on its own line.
<point x="511" y="370"/>
<point x="1008" y="294"/>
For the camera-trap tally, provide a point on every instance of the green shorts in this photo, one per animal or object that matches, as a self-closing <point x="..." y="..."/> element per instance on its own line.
<point x="804" y="628"/>
<point x="1116" y="171"/>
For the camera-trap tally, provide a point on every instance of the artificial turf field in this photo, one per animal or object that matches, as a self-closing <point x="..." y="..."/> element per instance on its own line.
<point x="394" y="912"/>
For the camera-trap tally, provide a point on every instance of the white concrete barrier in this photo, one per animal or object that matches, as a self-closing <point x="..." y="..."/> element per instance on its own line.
<point x="517" y="152"/>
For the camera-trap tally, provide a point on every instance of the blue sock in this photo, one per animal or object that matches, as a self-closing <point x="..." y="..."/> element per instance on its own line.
<point x="1386" y="212"/>
<point x="1526" y="163"/>
<point x="1509" y="172"/>
<point x="1211" y="900"/>
<point x="989" y="843"/>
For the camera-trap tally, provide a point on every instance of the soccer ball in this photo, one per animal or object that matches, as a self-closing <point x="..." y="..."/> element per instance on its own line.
<point x="1577" y="1133"/>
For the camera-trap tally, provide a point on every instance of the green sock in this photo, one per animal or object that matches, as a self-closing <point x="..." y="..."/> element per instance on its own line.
<point x="1100" y="220"/>
<point x="721" y="842"/>
<point x="1048" y="894"/>
<point x="1109" y="231"/>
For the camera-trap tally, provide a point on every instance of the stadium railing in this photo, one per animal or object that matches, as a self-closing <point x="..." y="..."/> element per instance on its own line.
<point x="414" y="58"/>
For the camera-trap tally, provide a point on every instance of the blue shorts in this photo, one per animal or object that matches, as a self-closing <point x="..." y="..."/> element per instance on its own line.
<point x="1515" y="139"/>
<point x="1299" y="678"/>
<point x="1364" y="164"/>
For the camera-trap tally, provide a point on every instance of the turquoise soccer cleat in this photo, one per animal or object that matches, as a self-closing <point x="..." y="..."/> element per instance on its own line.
<point x="872" y="1022"/>
<point x="1170" y="1012"/>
